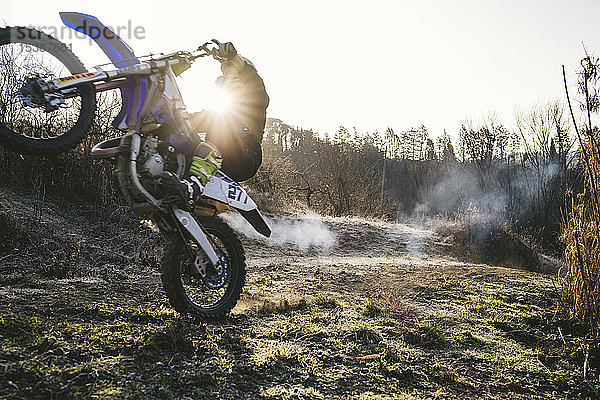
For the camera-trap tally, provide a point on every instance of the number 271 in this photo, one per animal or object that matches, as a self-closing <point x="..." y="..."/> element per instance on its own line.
<point x="235" y="193"/>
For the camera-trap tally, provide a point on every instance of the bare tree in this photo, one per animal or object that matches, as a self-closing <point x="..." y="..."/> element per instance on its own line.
<point x="545" y="147"/>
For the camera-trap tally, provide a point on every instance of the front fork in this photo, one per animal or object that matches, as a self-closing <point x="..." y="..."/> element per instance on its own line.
<point x="188" y="222"/>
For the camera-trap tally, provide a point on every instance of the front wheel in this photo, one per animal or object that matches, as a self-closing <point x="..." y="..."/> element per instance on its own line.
<point x="192" y="285"/>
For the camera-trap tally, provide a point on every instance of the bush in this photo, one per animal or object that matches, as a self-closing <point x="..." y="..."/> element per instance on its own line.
<point x="488" y="237"/>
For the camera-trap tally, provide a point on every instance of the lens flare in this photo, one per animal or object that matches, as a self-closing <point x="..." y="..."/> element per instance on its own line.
<point x="219" y="100"/>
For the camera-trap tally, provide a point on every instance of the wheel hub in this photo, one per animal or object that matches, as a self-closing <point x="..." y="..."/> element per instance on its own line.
<point x="35" y="93"/>
<point x="216" y="278"/>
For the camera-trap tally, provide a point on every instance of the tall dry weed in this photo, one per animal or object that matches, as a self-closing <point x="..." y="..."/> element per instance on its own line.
<point x="581" y="229"/>
<point x="581" y="235"/>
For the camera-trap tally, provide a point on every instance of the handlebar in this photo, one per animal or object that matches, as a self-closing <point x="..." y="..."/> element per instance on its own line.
<point x="209" y="51"/>
<point x="182" y="60"/>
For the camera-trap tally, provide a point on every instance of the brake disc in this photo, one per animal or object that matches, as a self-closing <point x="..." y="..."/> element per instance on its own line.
<point x="217" y="279"/>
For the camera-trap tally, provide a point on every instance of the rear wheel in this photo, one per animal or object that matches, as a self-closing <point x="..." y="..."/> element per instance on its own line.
<point x="26" y="54"/>
<point x="212" y="292"/>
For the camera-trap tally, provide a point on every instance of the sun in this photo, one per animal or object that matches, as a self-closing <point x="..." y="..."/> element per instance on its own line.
<point x="218" y="100"/>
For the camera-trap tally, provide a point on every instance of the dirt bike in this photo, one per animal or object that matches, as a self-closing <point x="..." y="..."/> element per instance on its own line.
<point x="43" y="113"/>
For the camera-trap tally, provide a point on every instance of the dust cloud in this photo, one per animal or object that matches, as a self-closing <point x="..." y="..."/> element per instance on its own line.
<point x="304" y="231"/>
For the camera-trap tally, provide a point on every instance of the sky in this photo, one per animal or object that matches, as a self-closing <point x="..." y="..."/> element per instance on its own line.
<point x="365" y="64"/>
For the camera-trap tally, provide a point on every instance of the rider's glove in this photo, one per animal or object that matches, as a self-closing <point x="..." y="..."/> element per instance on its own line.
<point x="206" y="161"/>
<point x="225" y="50"/>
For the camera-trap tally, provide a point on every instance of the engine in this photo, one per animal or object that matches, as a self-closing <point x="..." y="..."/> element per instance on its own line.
<point x="152" y="162"/>
<point x="155" y="157"/>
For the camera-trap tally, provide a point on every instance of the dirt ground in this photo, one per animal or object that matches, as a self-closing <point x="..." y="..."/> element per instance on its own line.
<point x="359" y="310"/>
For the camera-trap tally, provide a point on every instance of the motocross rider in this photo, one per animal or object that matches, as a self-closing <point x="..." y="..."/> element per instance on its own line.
<point x="234" y="137"/>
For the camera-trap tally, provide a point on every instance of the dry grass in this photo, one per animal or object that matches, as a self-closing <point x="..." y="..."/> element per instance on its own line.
<point x="488" y="237"/>
<point x="581" y="234"/>
<point x="581" y="231"/>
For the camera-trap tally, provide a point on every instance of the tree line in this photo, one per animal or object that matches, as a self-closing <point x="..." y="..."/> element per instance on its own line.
<point x="522" y="173"/>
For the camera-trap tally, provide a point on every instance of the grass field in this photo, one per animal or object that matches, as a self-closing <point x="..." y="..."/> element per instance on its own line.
<point x="383" y="314"/>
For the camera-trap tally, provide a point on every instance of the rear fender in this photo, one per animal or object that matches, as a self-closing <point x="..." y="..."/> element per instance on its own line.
<point x="226" y="190"/>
